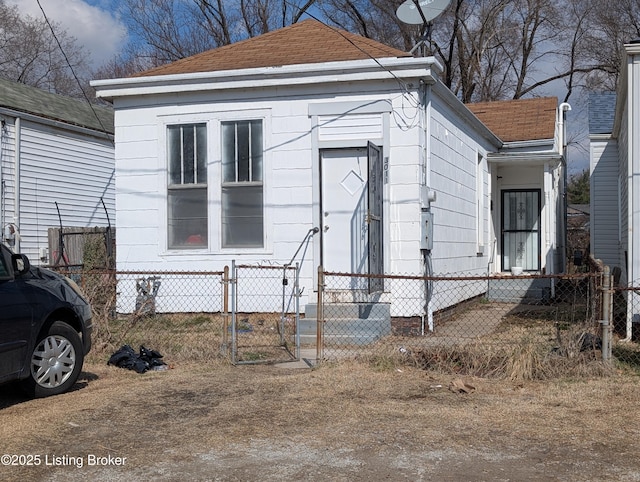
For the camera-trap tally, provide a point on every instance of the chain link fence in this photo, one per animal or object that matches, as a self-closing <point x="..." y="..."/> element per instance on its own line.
<point x="625" y="322"/>
<point x="182" y="315"/>
<point x="515" y="326"/>
<point x="265" y="314"/>
<point x="247" y="314"/>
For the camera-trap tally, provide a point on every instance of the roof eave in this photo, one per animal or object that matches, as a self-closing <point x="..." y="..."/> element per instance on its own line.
<point x="521" y="157"/>
<point x="622" y="91"/>
<point x="57" y="123"/>
<point x="528" y="144"/>
<point x="301" y="74"/>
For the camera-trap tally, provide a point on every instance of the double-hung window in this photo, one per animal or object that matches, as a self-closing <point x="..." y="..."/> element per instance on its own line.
<point x="187" y="186"/>
<point x="242" y="184"/>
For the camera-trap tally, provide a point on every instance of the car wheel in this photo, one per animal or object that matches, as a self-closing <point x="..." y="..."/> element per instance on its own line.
<point x="55" y="362"/>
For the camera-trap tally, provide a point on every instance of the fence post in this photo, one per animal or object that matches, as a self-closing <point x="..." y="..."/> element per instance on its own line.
<point x="320" y="316"/>
<point x="607" y="309"/>
<point x="225" y="312"/>
<point x="234" y="336"/>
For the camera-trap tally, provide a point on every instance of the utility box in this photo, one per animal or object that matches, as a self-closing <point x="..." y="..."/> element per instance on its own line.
<point x="426" y="230"/>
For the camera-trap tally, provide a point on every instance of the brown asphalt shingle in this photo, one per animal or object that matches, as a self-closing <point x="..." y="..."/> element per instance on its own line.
<point x="519" y="120"/>
<point x="310" y="41"/>
<point x="305" y="42"/>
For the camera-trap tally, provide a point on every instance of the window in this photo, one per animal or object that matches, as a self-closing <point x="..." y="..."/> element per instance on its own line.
<point x="187" y="188"/>
<point x="242" y="184"/>
<point x="480" y="204"/>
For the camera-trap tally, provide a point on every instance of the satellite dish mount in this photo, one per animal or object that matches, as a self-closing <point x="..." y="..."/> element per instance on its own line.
<point x="421" y="12"/>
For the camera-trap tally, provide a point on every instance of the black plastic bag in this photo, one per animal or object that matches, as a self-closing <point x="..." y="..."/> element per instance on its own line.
<point x="127" y="358"/>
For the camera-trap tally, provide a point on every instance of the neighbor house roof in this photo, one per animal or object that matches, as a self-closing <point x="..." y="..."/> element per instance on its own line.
<point x="30" y="100"/>
<point x="602" y="109"/>
<point x="519" y="120"/>
<point x="305" y="42"/>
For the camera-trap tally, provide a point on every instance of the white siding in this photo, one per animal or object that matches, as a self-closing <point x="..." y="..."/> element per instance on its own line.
<point x="605" y="204"/>
<point x="454" y="165"/>
<point x="294" y="137"/>
<point x="73" y="170"/>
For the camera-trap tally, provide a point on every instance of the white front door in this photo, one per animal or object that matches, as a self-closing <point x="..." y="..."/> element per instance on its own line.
<point x="344" y="212"/>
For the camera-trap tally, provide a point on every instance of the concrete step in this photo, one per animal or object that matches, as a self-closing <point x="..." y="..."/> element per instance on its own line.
<point x="350" y="310"/>
<point x="347" y="323"/>
<point x="519" y="289"/>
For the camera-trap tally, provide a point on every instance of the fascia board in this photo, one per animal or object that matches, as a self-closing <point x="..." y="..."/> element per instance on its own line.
<point x="305" y="74"/>
<point x="531" y="157"/>
<point x="529" y="144"/>
<point x="57" y="124"/>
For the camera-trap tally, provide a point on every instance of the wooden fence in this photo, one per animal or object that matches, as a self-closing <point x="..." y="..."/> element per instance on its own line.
<point x="82" y="247"/>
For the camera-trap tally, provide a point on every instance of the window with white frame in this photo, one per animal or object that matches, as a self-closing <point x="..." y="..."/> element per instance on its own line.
<point x="480" y="204"/>
<point x="187" y="186"/>
<point x="242" y="184"/>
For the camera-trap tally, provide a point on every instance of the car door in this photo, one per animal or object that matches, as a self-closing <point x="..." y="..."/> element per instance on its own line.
<point x="16" y="318"/>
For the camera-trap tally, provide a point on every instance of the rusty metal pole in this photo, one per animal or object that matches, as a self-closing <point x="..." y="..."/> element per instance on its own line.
<point x="320" y="316"/>
<point x="225" y="312"/>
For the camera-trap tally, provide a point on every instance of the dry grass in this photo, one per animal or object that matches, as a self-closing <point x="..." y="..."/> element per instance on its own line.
<point x="347" y="420"/>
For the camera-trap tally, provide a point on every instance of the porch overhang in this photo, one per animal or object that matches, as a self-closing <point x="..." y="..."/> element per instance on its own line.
<point x="525" y="158"/>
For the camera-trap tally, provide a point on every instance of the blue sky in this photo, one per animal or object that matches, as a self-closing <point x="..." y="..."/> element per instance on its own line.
<point x="93" y="22"/>
<point x="96" y="25"/>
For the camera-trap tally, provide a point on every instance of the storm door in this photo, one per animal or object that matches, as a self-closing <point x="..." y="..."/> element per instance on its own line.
<point x="374" y="217"/>
<point x="521" y="229"/>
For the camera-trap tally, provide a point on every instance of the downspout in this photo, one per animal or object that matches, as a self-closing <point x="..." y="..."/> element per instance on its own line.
<point x="16" y="190"/>
<point x="564" y="107"/>
<point x="631" y="136"/>
<point x="3" y="136"/>
<point x="425" y="147"/>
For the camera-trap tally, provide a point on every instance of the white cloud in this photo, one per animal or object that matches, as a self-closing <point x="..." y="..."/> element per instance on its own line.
<point x="97" y="29"/>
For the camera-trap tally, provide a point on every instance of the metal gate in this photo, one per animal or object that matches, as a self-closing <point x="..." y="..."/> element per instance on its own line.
<point x="265" y="312"/>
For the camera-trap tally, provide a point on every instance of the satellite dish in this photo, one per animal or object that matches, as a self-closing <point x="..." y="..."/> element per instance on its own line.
<point x="429" y="9"/>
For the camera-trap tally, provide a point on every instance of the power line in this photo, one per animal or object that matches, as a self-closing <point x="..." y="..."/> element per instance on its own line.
<point x="84" y="94"/>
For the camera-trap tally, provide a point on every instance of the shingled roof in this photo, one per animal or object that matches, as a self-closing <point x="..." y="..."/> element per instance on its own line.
<point x="305" y="42"/>
<point x="519" y="120"/>
<point x="30" y="100"/>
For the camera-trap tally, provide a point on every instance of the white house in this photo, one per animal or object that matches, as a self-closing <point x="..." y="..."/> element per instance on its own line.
<point x="614" y="126"/>
<point x="53" y="149"/>
<point x="237" y="153"/>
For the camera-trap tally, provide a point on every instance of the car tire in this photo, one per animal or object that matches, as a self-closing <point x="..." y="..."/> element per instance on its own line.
<point x="56" y="361"/>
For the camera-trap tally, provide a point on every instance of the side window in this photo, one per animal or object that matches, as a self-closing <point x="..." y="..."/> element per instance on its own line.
<point x="242" y="184"/>
<point x="187" y="187"/>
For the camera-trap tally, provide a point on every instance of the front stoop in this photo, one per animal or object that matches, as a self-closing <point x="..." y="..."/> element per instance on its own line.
<point x="519" y="290"/>
<point x="346" y="323"/>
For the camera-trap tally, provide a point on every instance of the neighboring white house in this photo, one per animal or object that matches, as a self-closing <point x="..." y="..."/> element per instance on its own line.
<point x="53" y="149"/>
<point x="237" y="153"/>
<point x="615" y="179"/>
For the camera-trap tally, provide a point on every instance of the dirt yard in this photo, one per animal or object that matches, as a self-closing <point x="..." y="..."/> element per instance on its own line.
<point x="347" y="422"/>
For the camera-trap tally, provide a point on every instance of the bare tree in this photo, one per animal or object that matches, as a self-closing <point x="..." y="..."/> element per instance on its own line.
<point x="166" y="30"/>
<point x="489" y="49"/>
<point x="610" y="29"/>
<point x="30" y="54"/>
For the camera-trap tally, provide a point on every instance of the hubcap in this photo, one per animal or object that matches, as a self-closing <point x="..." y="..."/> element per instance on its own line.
<point x="53" y="361"/>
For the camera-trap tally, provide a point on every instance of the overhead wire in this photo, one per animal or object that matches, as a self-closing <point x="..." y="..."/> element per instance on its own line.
<point x="73" y="73"/>
<point x="406" y="92"/>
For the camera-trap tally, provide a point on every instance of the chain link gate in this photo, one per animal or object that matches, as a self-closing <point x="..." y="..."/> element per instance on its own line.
<point x="265" y="312"/>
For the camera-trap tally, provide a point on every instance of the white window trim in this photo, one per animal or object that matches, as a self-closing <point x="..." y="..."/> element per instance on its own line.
<point x="213" y="121"/>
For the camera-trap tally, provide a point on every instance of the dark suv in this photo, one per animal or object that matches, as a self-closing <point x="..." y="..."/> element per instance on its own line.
<point x="45" y="327"/>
